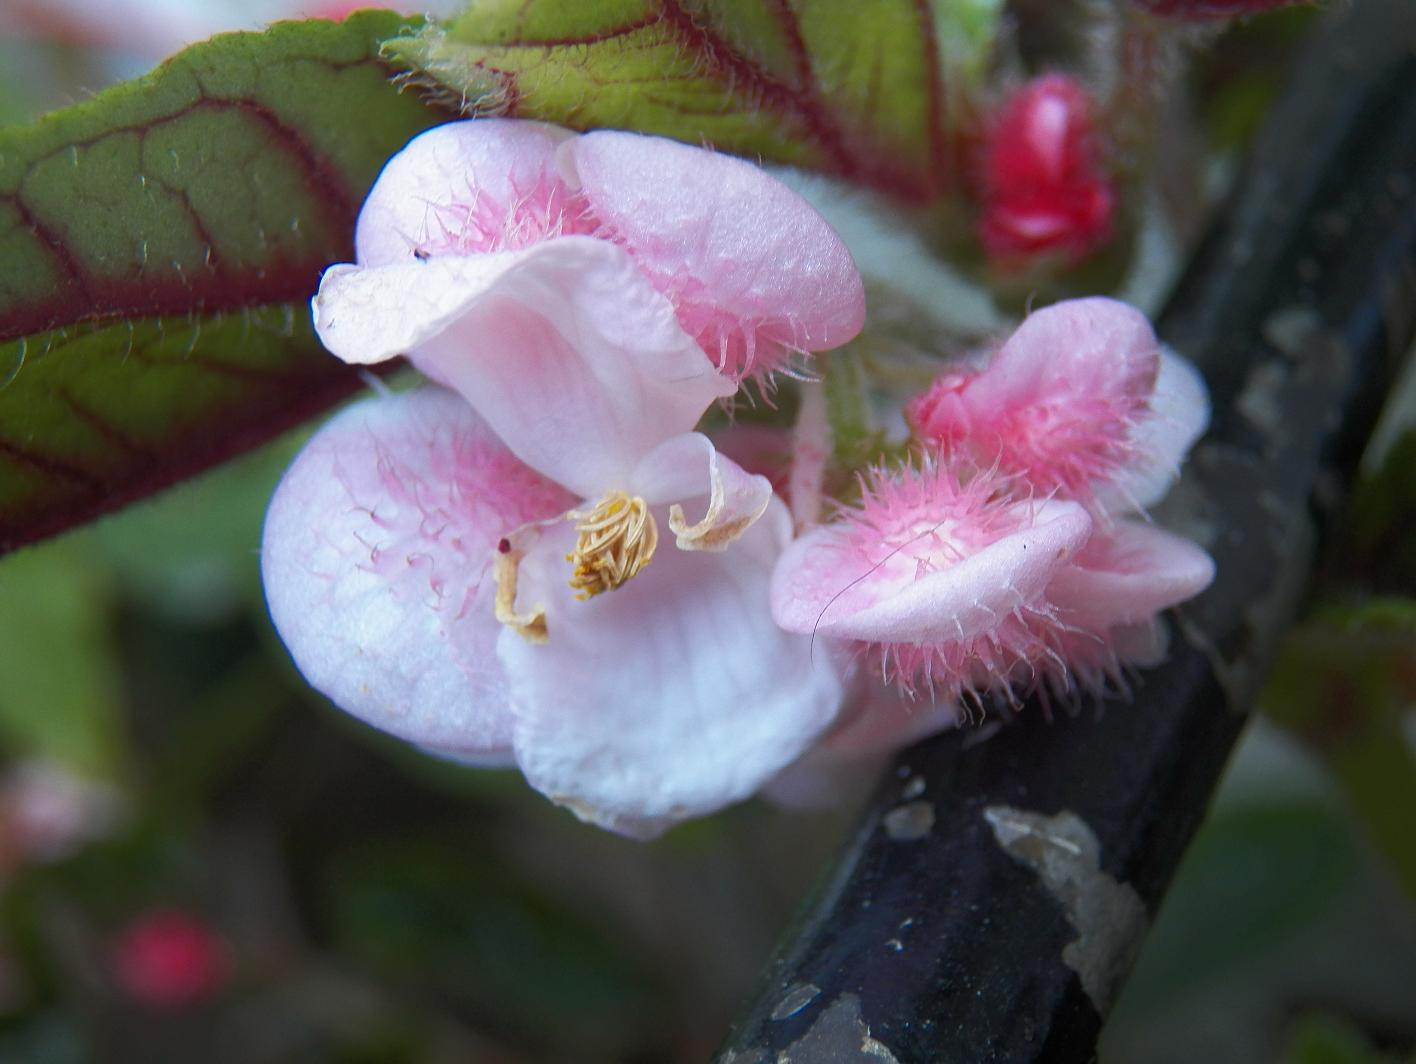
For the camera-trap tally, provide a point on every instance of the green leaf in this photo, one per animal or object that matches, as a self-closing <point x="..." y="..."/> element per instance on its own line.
<point x="1331" y="1040"/>
<point x="447" y="914"/>
<point x="158" y="248"/>
<point x="1254" y="878"/>
<point x="1377" y="537"/>
<point x="60" y="699"/>
<point x="856" y="90"/>
<point x="1344" y="682"/>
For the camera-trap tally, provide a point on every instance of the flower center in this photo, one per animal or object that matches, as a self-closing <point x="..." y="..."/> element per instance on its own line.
<point x="616" y="539"/>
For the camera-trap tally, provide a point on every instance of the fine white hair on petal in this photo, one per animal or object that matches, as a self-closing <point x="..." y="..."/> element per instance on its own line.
<point x="1127" y="574"/>
<point x="376" y="559"/>
<point x="444" y="172"/>
<point x="754" y="270"/>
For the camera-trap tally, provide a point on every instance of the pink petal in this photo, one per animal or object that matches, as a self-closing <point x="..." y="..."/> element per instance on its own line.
<point x="376" y="560"/>
<point x="823" y="584"/>
<point x="753" y="269"/>
<point x="1094" y="350"/>
<point x="573" y="359"/>
<point x="1178" y="416"/>
<point x="1058" y="403"/>
<point x="448" y="179"/>
<point x="1127" y="574"/>
<point x="687" y="468"/>
<point x="669" y="697"/>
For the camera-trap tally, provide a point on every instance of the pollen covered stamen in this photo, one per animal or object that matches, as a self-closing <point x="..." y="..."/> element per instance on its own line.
<point x="616" y="539"/>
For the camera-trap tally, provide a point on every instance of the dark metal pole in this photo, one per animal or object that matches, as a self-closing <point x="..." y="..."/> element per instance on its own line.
<point x="996" y="891"/>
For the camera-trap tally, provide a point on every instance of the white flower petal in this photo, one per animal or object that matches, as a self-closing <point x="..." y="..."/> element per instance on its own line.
<point x="376" y="561"/>
<point x="442" y="173"/>
<point x="1127" y="574"/>
<point x="574" y="359"/>
<point x="688" y="467"/>
<point x="669" y="697"/>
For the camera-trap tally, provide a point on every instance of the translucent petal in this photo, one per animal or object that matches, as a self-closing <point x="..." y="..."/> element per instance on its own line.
<point x="376" y="561"/>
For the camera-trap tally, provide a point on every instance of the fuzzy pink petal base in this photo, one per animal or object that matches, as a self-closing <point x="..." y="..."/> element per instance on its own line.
<point x="1059" y="403"/>
<point x="754" y="271"/>
<point x="468" y="187"/>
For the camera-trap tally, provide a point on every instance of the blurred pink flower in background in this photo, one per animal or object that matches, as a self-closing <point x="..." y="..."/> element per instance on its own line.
<point x="168" y="958"/>
<point x="1044" y="188"/>
<point x="48" y="813"/>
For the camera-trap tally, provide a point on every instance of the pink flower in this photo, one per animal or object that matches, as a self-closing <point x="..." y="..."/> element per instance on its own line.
<point x="1002" y="559"/>
<point x="1044" y="188"/>
<point x="942" y="582"/>
<point x="474" y="218"/>
<point x="168" y="958"/>
<point x="1081" y="401"/>
<point x="551" y="568"/>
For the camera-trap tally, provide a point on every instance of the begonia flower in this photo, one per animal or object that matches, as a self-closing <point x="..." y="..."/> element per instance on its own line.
<point x="1043" y="187"/>
<point x="1002" y="560"/>
<point x="551" y="568"/>
<point x="435" y="586"/>
<point x="943" y="580"/>
<point x="1081" y="400"/>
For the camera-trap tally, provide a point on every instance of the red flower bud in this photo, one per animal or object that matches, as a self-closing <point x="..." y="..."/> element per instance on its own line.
<point x="168" y="958"/>
<point x="1044" y="188"/>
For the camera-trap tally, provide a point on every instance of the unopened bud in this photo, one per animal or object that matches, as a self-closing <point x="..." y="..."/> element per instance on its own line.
<point x="1044" y="189"/>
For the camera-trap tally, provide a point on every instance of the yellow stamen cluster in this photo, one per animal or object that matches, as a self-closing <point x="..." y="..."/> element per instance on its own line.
<point x="616" y="539"/>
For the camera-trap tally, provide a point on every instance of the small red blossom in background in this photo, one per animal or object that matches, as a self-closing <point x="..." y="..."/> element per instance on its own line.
<point x="168" y="958"/>
<point x="1044" y="188"/>
<point x="1196" y="10"/>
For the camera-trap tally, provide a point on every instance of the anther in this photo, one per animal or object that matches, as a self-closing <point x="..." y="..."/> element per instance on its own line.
<point x="616" y="538"/>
